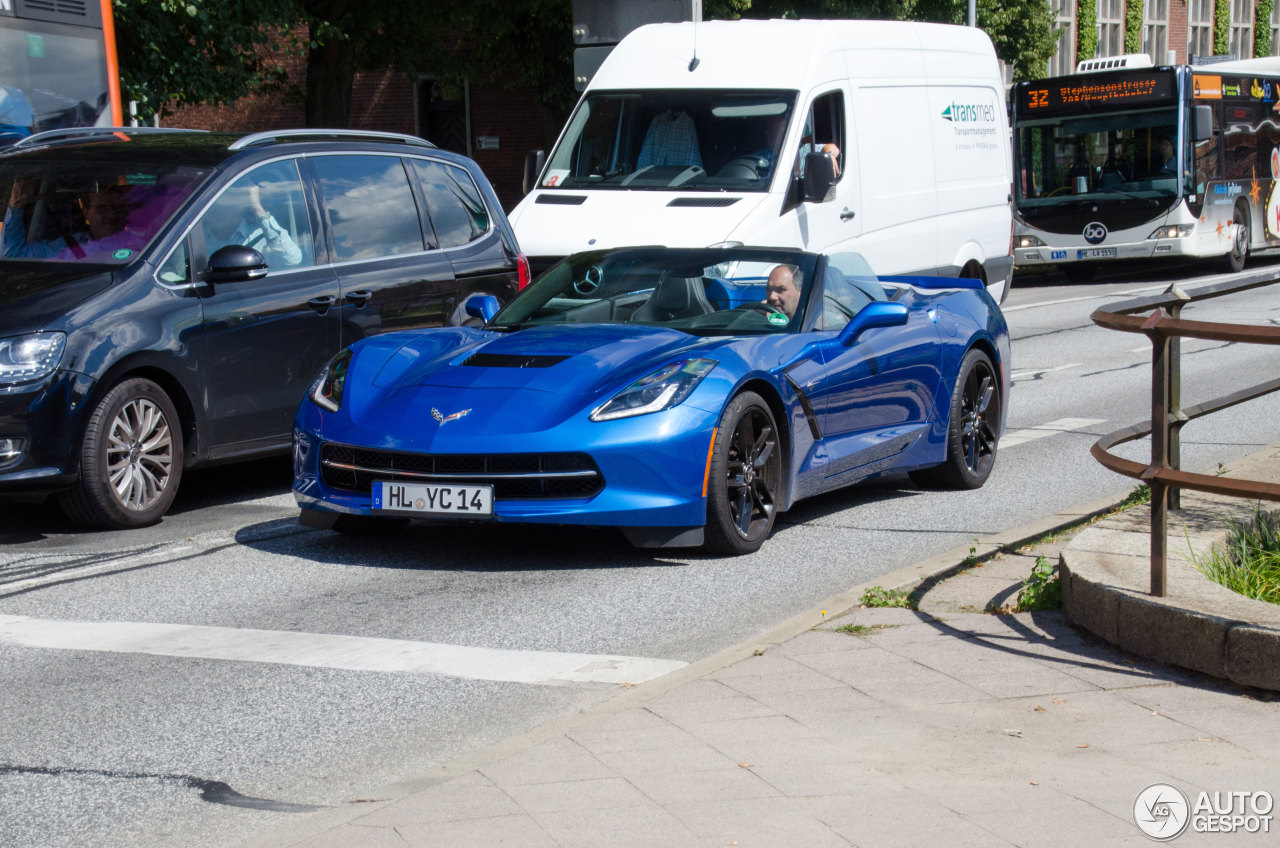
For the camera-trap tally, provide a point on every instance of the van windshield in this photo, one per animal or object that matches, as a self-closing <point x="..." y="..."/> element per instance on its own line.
<point x="690" y="139"/>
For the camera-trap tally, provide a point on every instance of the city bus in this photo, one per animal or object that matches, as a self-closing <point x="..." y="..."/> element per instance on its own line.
<point x="1147" y="162"/>
<point x="57" y="67"/>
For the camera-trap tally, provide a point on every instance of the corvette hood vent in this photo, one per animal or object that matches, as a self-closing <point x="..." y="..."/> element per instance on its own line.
<point x="513" y="360"/>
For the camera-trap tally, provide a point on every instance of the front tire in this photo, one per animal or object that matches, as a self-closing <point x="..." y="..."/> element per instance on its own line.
<point x="745" y="477"/>
<point x="1239" y="254"/>
<point x="971" y="428"/>
<point x="130" y="459"/>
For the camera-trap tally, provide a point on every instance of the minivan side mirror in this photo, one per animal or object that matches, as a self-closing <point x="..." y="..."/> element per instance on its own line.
<point x="235" y="263"/>
<point x="1203" y="123"/>
<point x="819" y="178"/>
<point x="876" y="314"/>
<point x="533" y="162"/>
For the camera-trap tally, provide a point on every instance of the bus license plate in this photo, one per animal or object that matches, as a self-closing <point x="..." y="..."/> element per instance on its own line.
<point x="431" y="499"/>
<point x="1097" y="253"/>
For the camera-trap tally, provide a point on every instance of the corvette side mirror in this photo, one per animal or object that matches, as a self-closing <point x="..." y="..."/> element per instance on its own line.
<point x="877" y="314"/>
<point x="482" y="306"/>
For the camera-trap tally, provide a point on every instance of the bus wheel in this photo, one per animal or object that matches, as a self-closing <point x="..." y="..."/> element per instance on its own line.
<point x="1240" y="244"/>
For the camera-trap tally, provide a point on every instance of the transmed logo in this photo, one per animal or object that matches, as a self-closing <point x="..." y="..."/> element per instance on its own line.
<point x="969" y="113"/>
<point x="1163" y="812"/>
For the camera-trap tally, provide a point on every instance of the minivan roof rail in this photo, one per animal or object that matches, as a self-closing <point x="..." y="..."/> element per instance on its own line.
<point x="273" y="136"/>
<point x="90" y="132"/>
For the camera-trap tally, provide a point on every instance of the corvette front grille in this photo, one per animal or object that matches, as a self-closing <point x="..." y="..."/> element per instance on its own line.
<point x="514" y="476"/>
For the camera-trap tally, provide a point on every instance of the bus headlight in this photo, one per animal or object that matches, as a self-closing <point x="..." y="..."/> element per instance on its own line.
<point x="1030" y="241"/>
<point x="1172" y="231"/>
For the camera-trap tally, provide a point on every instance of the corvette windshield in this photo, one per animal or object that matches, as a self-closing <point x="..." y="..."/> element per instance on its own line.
<point x="693" y="139"/>
<point x="707" y="292"/>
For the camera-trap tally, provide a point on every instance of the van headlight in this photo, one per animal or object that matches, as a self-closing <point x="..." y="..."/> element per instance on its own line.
<point x="327" y="388"/>
<point x="655" y="392"/>
<point x="31" y="357"/>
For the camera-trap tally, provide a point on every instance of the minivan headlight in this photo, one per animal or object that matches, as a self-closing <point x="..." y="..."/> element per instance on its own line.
<point x="655" y="392"/>
<point x="326" y="391"/>
<point x="31" y="357"/>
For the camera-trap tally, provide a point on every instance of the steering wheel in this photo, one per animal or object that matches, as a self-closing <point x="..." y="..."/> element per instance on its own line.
<point x="764" y="309"/>
<point x="590" y="281"/>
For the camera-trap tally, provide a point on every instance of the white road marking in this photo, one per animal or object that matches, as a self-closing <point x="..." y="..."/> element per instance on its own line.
<point x="1018" y="375"/>
<point x="1062" y="425"/>
<point x="319" y="650"/>
<point x="1099" y="296"/>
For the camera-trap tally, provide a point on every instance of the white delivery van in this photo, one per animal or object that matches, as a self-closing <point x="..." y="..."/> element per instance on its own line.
<point x="692" y="134"/>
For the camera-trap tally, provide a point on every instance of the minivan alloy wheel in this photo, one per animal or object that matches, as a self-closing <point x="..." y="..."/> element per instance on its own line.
<point x="139" y="454"/>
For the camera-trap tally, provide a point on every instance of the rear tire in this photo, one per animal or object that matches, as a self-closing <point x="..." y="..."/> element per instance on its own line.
<point x="369" y="525"/>
<point x="130" y="459"/>
<point x="971" y="428"/>
<point x="745" y="477"/>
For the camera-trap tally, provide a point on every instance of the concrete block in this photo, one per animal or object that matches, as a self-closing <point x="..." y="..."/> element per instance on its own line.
<point x="1253" y="656"/>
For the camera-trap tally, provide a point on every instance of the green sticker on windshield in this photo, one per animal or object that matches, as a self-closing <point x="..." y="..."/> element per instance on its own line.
<point x="122" y="253"/>
<point x="779" y="319"/>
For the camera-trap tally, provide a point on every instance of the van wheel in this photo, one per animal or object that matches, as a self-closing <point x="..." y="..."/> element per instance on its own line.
<point x="130" y="459"/>
<point x="1240" y="243"/>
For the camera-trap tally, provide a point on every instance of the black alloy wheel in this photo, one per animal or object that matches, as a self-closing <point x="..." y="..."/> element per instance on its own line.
<point x="746" y="475"/>
<point x="971" y="431"/>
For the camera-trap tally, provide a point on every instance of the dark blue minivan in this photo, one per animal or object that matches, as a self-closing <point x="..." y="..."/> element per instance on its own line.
<point x="166" y="297"/>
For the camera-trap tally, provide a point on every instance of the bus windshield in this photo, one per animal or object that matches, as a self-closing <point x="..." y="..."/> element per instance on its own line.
<point x="662" y="139"/>
<point x="52" y="75"/>
<point x="1110" y="157"/>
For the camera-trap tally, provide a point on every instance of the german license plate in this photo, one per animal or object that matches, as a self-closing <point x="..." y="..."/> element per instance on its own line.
<point x="1097" y="253"/>
<point x="432" y="499"/>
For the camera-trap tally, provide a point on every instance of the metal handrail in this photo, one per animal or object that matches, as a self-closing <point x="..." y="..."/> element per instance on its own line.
<point x="1159" y="318"/>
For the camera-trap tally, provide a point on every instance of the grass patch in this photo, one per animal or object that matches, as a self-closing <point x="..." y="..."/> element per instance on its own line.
<point x="1250" y="564"/>
<point x="861" y="629"/>
<point x="878" y="596"/>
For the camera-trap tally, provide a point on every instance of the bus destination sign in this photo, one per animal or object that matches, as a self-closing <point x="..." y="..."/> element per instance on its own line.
<point x="1083" y="92"/>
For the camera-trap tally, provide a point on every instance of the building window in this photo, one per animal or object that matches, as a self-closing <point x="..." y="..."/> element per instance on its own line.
<point x="1241" y="28"/>
<point x="1064" y="21"/>
<point x="444" y="114"/>
<point x="1199" y="28"/>
<point x="1155" y="31"/>
<point x="1110" y="28"/>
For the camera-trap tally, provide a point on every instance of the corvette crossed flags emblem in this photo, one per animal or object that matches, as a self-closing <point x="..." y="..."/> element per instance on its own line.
<point x="443" y="419"/>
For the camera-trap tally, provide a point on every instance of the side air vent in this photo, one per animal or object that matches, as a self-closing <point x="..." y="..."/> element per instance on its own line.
<point x="77" y="12"/>
<point x="562" y="199"/>
<point x="704" y="202"/>
<point x="513" y="360"/>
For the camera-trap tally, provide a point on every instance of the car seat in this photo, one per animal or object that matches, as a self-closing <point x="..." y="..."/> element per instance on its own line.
<point x="674" y="297"/>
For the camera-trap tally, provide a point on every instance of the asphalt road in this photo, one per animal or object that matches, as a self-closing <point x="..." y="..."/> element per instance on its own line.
<point x="202" y="681"/>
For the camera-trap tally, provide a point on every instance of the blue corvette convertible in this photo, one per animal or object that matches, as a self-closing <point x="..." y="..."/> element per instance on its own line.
<point x="684" y="396"/>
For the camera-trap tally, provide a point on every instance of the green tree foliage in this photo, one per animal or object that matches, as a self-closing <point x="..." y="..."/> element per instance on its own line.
<point x="1133" y="27"/>
<point x="1262" y="28"/>
<point x="175" y="52"/>
<point x="1222" y="27"/>
<point x="1086" y="29"/>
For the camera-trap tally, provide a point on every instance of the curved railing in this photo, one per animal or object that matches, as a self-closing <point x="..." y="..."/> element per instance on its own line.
<point x="1159" y="318"/>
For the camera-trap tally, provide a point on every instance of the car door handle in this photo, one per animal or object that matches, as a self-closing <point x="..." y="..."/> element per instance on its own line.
<point x="359" y="298"/>
<point x="847" y="214"/>
<point x="321" y="304"/>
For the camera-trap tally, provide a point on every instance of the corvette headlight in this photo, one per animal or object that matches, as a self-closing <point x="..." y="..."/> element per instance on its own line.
<point x="31" y="357"/>
<point x="655" y="392"/>
<point x="326" y="391"/>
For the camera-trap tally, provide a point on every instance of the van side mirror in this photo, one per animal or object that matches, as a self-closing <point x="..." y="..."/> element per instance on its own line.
<point x="533" y="162"/>
<point x="235" y="263"/>
<point x="876" y="314"/>
<point x="1203" y="118"/>
<point x="819" y="178"/>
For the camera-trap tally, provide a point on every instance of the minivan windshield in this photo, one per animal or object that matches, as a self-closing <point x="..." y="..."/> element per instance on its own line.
<point x="64" y="210"/>
<point x="690" y="139"/>
<point x="701" y="291"/>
